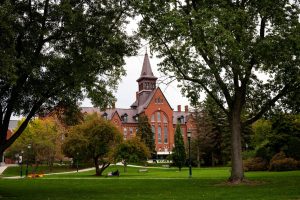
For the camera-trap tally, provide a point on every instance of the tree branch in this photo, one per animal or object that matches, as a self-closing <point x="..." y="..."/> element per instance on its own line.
<point x="22" y="127"/>
<point x="267" y="105"/>
<point x="209" y="59"/>
<point x="262" y="27"/>
<point x="185" y="77"/>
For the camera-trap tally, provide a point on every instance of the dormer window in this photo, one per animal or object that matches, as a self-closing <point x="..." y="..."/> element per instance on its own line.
<point x="125" y="118"/>
<point x="181" y="119"/>
<point x="136" y="117"/>
<point x="104" y="116"/>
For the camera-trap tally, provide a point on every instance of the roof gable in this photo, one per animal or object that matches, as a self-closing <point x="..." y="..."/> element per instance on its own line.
<point x="153" y="94"/>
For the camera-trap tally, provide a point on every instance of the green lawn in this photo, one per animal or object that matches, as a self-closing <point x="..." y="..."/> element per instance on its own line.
<point x="207" y="183"/>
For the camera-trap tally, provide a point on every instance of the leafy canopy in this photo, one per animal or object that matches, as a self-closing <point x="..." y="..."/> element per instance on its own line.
<point x="244" y="54"/>
<point x="95" y="138"/>
<point x="59" y="51"/>
<point x="44" y="137"/>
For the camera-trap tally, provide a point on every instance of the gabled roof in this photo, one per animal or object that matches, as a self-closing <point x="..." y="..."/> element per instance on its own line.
<point x="131" y="113"/>
<point x="141" y="108"/>
<point x="177" y="114"/>
<point x="145" y="105"/>
<point x="146" y="69"/>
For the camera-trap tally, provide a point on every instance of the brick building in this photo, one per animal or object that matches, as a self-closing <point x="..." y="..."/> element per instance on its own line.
<point x="151" y="101"/>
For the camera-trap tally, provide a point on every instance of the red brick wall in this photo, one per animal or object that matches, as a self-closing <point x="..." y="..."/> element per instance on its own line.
<point x="165" y="108"/>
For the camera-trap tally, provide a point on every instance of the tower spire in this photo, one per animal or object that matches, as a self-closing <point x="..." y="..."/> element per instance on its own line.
<point x="146" y="69"/>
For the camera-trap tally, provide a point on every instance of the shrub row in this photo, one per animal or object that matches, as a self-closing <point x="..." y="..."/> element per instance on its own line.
<point x="279" y="162"/>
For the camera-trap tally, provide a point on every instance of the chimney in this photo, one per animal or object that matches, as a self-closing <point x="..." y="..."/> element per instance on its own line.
<point x="136" y="95"/>
<point x="186" y="109"/>
<point x="179" y="108"/>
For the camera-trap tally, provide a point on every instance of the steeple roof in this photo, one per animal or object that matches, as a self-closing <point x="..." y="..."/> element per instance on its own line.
<point x="146" y="69"/>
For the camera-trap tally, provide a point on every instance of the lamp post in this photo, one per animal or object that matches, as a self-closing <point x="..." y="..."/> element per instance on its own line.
<point x="189" y="134"/>
<point x="29" y="147"/>
<point x="21" y="163"/>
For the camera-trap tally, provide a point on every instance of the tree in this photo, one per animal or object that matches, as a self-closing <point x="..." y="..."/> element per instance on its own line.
<point x="55" y="52"/>
<point x="178" y="155"/>
<point x="145" y="133"/>
<point x="243" y="54"/>
<point x="221" y="127"/>
<point x="204" y="136"/>
<point x="95" y="138"/>
<point x="44" y="137"/>
<point x="279" y="134"/>
<point x="132" y="150"/>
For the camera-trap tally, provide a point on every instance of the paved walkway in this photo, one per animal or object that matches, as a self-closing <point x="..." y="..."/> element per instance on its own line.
<point x="2" y="168"/>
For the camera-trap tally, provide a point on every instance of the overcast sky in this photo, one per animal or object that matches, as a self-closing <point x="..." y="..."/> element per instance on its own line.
<point x="128" y="86"/>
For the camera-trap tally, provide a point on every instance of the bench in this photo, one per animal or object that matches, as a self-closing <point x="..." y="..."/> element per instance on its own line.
<point x="143" y="170"/>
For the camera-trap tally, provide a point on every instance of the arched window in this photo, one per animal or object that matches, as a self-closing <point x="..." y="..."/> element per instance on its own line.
<point x="159" y="126"/>
<point x="166" y="134"/>
<point x="159" y="134"/>
<point x="158" y="116"/>
<point x="152" y="118"/>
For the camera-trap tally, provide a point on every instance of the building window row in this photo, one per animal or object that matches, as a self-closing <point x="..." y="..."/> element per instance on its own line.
<point x="128" y="132"/>
<point x="162" y="137"/>
<point x="159" y="117"/>
<point x="159" y="126"/>
<point x="149" y="86"/>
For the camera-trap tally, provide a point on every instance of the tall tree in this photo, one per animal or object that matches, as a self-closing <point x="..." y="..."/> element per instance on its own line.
<point x="145" y="133"/>
<point x="178" y="155"/>
<point x="204" y="136"/>
<point x="95" y="138"/>
<point x="59" y="51"/>
<point x="244" y="54"/>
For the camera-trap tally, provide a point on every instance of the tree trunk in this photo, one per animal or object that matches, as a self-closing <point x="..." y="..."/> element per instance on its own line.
<point x="237" y="172"/>
<point x="96" y="162"/>
<point x="198" y="157"/>
<point x="125" y="166"/>
<point x="103" y="167"/>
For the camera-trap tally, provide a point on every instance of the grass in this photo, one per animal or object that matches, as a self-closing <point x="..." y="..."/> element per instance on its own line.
<point x="42" y="169"/>
<point x="206" y="183"/>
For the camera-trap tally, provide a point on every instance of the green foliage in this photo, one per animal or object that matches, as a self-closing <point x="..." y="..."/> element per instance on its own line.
<point x="59" y="51"/>
<point x="132" y="150"/>
<point x="221" y="128"/>
<point x="281" y="133"/>
<point x="293" y="149"/>
<point x="222" y="48"/>
<point x="262" y="131"/>
<point x="44" y="137"/>
<point x="95" y="138"/>
<point x="204" y="138"/>
<point x="145" y="133"/>
<point x="178" y="154"/>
